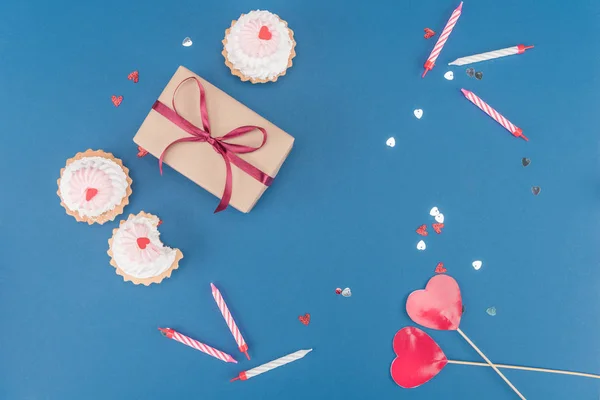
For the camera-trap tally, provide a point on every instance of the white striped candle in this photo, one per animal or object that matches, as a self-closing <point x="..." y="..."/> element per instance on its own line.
<point x="239" y="339"/>
<point x="245" y="375"/>
<point x="499" y="118"/>
<point x="188" y="341"/>
<point x="509" y="51"/>
<point x="430" y="63"/>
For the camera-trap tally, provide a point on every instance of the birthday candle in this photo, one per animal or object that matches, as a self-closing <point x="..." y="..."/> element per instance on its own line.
<point x="509" y="51"/>
<point x="239" y="339"/>
<point x="188" y="341"/>
<point x="245" y="375"/>
<point x="430" y="63"/>
<point x="499" y="118"/>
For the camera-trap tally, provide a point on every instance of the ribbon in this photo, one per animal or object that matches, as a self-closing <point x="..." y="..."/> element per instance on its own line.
<point x="227" y="150"/>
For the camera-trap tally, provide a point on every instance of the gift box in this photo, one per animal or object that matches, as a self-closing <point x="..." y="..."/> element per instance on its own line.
<point x="214" y="140"/>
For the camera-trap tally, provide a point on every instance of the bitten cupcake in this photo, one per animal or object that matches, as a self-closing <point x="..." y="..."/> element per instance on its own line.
<point x="94" y="187"/>
<point x="137" y="253"/>
<point x="259" y="47"/>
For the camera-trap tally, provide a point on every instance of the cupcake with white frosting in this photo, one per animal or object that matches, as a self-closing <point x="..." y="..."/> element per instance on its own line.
<point x="259" y="47"/>
<point x="137" y="252"/>
<point x="94" y="187"/>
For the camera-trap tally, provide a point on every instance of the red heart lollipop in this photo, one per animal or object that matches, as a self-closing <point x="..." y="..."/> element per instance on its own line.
<point x="418" y="360"/>
<point x="438" y="306"/>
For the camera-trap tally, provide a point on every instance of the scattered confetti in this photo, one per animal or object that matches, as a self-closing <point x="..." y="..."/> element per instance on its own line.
<point x="525" y="161"/>
<point x="187" y="42"/>
<point x="422" y="230"/>
<point x="471" y="72"/>
<point x="305" y="319"/>
<point x="536" y="190"/>
<point x="428" y="33"/>
<point x="347" y="292"/>
<point x="491" y="311"/>
<point x="439" y="269"/>
<point x="338" y="291"/>
<point x="477" y="264"/>
<point x="437" y="228"/>
<point x="449" y="75"/>
<point x="440" y="218"/>
<point x="418" y="113"/>
<point x="434" y="211"/>
<point x="391" y="142"/>
<point x="116" y="100"/>
<point x="159" y="222"/>
<point x="134" y="76"/>
<point x="479" y="75"/>
<point x="142" y="152"/>
<point x="421" y="245"/>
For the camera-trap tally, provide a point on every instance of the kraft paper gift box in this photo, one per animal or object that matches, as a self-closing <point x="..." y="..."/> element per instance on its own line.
<point x="199" y="160"/>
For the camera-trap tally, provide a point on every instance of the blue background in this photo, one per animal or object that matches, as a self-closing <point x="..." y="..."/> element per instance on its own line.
<point x="342" y="212"/>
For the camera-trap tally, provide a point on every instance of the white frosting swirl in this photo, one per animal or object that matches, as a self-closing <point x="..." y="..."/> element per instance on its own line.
<point x="257" y="55"/>
<point x="103" y="175"/>
<point x="138" y="251"/>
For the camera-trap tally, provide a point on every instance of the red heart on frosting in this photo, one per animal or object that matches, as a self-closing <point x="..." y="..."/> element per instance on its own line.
<point x="418" y="358"/>
<point x="143" y="242"/>
<point x="264" y="33"/>
<point x="90" y="193"/>
<point x="438" y="306"/>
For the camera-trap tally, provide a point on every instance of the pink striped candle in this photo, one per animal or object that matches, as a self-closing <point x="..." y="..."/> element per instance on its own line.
<point x="239" y="339"/>
<point x="515" y="130"/>
<point x="188" y="341"/>
<point x="439" y="45"/>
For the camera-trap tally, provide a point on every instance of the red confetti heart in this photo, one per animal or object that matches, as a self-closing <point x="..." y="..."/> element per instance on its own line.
<point x="418" y="358"/>
<point x="338" y="291"/>
<point x="143" y="242"/>
<point x="264" y="33"/>
<point x="428" y="33"/>
<point x="90" y="193"/>
<point x="305" y="319"/>
<point x="142" y="152"/>
<point x="422" y="230"/>
<point x="134" y="76"/>
<point x="439" y="269"/>
<point x="437" y="228"/>
<point x="116" y="100"/>
<point x="159" y="223"/>
<point x="438" y="306"/>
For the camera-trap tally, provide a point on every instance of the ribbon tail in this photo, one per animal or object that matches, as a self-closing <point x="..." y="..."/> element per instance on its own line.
<point x="228" y="186"/>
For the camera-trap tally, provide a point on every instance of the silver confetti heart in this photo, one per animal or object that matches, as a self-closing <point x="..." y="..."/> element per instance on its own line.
<point x="347" y="292"/>
<point x="491" y="311"/>
<point x="187" y="42"/>
<point x="536" y="190"/>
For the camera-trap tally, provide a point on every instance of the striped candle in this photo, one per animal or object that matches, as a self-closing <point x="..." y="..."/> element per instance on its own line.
<point x="239" y="339"/>
<point x="188" y="341"/>
<point x="515" y="130"/>
<point x="430" y="63"/>
<point x="509" y="51"/>
<point x="245" y="375"/>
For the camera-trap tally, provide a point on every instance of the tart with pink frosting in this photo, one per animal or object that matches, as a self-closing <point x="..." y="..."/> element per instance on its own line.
<point x="94" y="187"/>
<point x="137" y="252"/>
<point x="259" y="47"/>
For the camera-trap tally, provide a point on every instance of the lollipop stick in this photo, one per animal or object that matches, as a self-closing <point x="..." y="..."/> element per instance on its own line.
<point x="551" y="371"/>
<point x="490" y="364"/>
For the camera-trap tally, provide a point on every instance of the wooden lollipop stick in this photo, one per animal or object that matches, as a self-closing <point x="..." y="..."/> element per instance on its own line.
<point x="551" y="371"/>
<point x="491" y="365"/>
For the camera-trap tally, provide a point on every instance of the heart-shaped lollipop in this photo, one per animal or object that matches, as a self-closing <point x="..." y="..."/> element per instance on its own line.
<point x="418" y="358"/>
<point x="438" y="306"/>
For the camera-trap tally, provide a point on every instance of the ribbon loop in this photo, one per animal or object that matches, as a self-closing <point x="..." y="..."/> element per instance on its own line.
<point x="227" y="150"/>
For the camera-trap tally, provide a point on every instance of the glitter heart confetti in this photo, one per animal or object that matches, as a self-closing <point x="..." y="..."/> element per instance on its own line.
<point x="422" y="230"/>
<point x="142" y="152"/>
<point x="338" y="291"/>
<point x="536" y="190"/>
<point x="471" y="72"/>
<point x="479" y="75"/>
<point x="421" y="245"/>
<point x="434" y="211"/>
<point x="187" y="42"/>
<point x="347" y="292"/>
<point x="440" y="218"/>
<point x="439" y="269"/>
<point x="418" y="113"/>
<point x="428" y="33"/>
<point x="525" y="161"/>
<point x="437" y="228"/>
<point x="134" y="76"/>
<point x="391" y="142"/>
<point x="116" y="100"/>
<point x="477" y="264"/>
<point x="449" y="75"/>
<point x="305" y="319"/>
<point x="491" y="311"/>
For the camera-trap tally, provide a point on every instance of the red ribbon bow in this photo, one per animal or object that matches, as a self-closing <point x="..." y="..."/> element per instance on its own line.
<point x="227" y="150"/>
